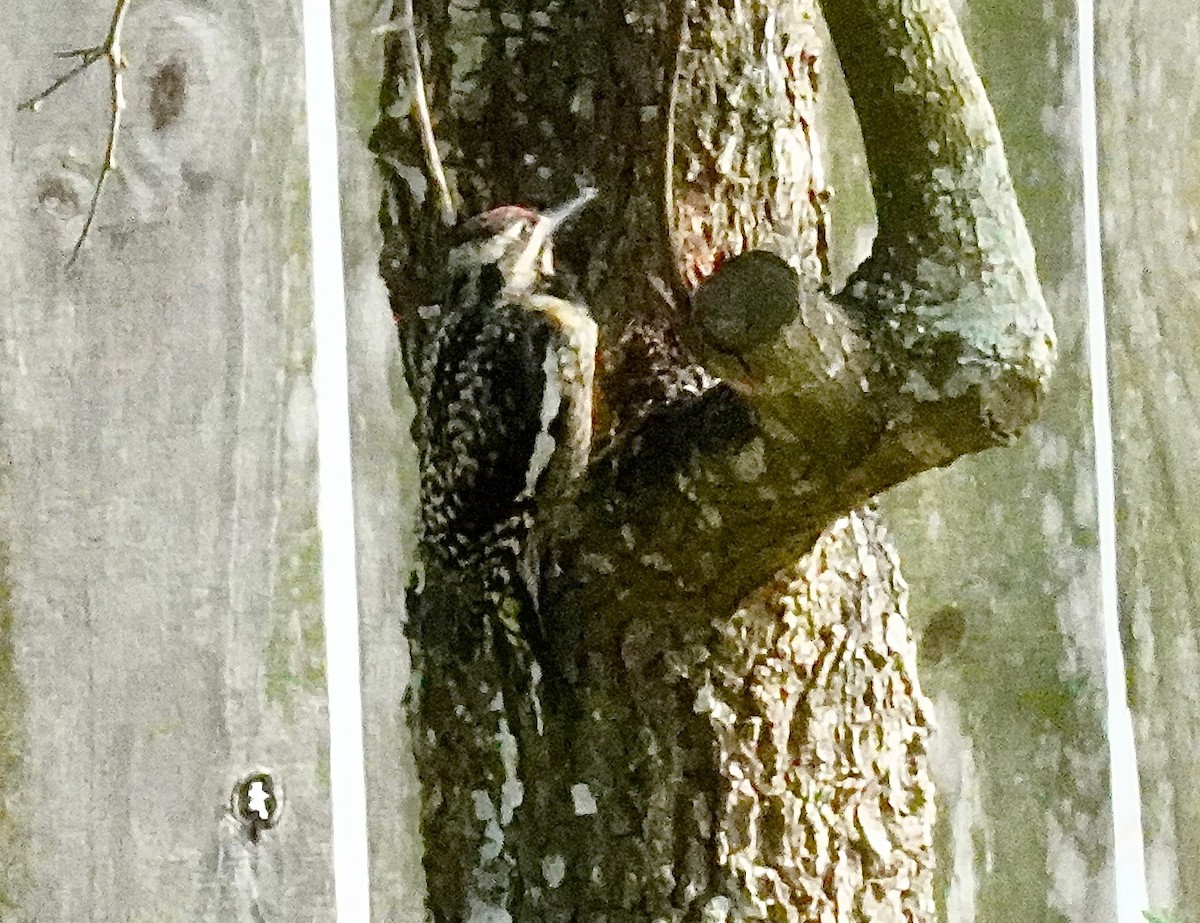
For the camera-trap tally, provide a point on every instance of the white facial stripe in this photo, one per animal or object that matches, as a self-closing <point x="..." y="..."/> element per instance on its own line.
<point x="543" y="446"/>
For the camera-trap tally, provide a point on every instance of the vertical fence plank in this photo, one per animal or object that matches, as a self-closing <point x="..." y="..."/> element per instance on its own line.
<point x="161" y="632"/>
<point x="1001" y="554"/>
<point x="1148" y="98"/>
<point x="385" y="479"/>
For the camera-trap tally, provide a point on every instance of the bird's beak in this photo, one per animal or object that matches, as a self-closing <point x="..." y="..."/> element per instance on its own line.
<point x="547" y="224"/>
<point x="564" y="213"/>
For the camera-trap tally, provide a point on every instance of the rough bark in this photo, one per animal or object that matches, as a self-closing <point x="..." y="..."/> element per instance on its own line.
<point x="685" y="763"/>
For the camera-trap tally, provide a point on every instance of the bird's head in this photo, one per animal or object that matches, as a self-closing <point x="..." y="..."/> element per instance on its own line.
<point x="517" y="241"/>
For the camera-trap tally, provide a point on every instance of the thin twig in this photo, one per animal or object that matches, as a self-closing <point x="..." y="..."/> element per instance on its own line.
<point x="416" y="80"/>
<point x="91" y="57"/>
<point x="109" y="49"/>
<point x="92" y="51"/>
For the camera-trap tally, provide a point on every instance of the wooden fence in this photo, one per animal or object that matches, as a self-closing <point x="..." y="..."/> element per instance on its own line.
<point x="161" y="622"/>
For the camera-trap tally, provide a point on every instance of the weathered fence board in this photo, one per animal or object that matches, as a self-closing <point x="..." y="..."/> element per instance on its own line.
<point x="385" y="472"/>
<point x="1148" y="100"/>
<point x="1001" y="553"/>
<point x="162" y="629"/>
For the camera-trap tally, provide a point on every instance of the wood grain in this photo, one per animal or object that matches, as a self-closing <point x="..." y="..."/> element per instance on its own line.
<point x="385" y="481"/>
<point x="162" y="629"/>
<point x="1001" y="553"/>
<point x="1148" y="98"/>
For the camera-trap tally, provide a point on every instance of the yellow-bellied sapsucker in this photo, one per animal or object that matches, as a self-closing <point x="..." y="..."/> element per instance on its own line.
<point x="506" y="415"/>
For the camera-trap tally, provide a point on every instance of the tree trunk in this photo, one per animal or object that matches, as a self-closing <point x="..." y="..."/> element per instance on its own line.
<point x="683" y="762"/>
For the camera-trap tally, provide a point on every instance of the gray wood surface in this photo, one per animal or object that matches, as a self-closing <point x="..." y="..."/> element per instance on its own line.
<point x="1001" y="554"/>
<point x="161" y="629"/>
<point x="385" y="480"/>
<point x="1149" y="99"/>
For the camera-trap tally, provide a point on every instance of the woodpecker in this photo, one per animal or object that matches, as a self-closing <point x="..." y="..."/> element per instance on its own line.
<point x="506" y="416"/>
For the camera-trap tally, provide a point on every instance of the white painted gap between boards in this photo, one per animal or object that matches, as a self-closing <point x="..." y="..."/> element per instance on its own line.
<point x="335" y="505"/>
<point x="1124" y="791"/>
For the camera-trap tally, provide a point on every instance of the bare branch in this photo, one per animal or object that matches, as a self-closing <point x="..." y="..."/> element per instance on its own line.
<point x="93" y="51"/>
<point x="89" y="55"/>
<point x="110" y="50"/>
